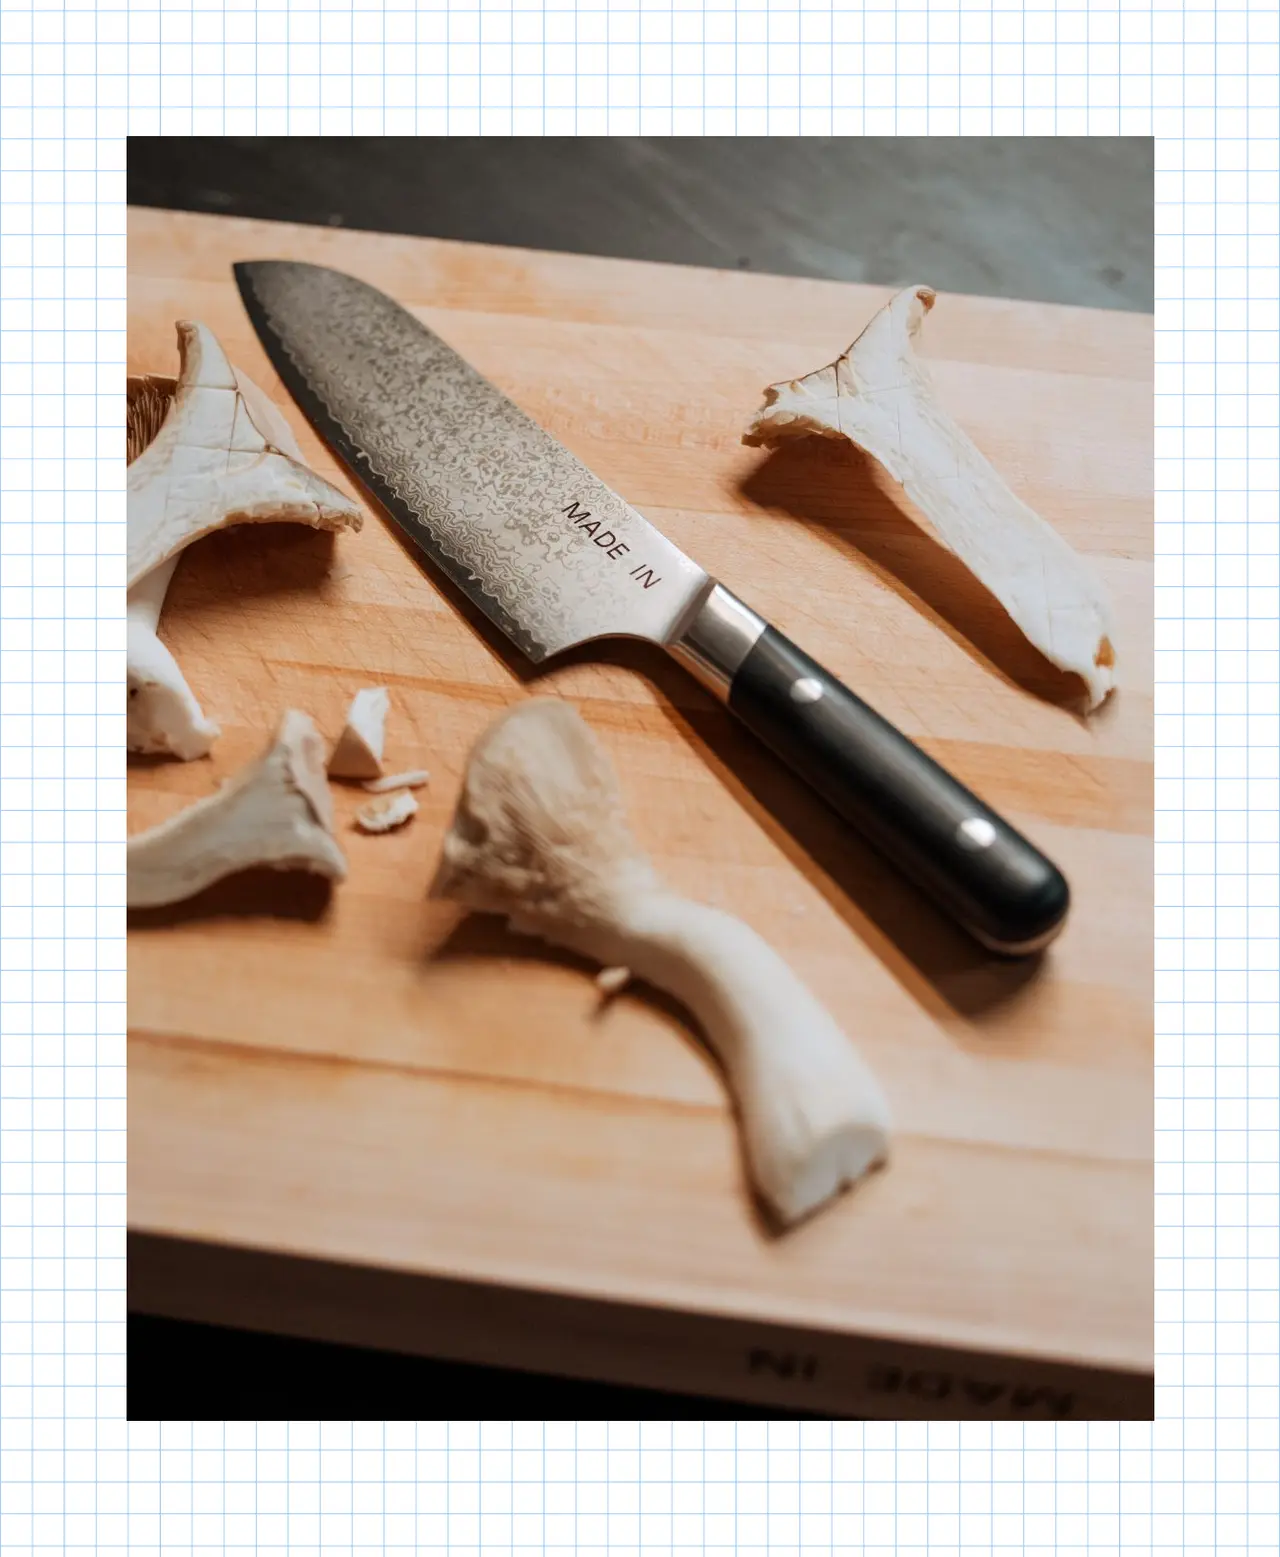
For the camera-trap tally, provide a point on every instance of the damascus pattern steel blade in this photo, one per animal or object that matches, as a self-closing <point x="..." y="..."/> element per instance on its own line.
<point x="550" y="554"/>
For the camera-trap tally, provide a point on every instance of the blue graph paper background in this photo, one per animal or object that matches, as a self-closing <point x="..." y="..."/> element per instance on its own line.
<point x="75" y="79"/>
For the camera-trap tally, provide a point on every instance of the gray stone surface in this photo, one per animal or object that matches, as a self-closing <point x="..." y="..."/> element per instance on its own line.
<point x="1057" y="219"/>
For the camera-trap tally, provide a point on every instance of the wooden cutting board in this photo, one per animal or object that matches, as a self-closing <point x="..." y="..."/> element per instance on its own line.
<point x="372" y="1119"/>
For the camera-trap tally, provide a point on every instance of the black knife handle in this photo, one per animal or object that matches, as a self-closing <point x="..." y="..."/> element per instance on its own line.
<point x="977" y="867"/>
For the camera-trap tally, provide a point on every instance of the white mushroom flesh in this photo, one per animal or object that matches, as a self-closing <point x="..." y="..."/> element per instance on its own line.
<point x="387" y="812"/>
<point x="540" y="836"/>
<point x="221" y="455"/>
<point x="162" y="715"/>
<point x="358" y="753"/>
<point x="610" y="981"/>
<point x="206" y="449"/>
<point x="414" y="778"/>
<point x="880" y="397"/>
<point x="277" y="812"/>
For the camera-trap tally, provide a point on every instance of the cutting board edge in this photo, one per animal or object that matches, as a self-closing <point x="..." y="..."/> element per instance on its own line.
<point x="798" y="1368"/>
<point x="873" y="1330"/>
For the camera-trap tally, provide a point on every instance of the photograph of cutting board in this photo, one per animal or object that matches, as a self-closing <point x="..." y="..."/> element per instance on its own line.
<point x="362" y="1115"/>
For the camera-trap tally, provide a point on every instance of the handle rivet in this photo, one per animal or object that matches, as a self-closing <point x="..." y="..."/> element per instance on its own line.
<point x="975" y="832"/>
<point x="806" y="690"/>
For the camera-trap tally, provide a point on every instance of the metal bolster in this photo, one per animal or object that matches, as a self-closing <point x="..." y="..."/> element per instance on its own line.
<point x="713" y="643"/>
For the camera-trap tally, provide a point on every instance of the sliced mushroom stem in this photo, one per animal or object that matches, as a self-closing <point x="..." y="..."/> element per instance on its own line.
<point x="205" y="450"/>
<point x="276" y="812"/>
<point x="540" y="836"/>
<point x="813" y="1117"/>
<point x="880" y="397"/>
<point x="163" y="716"/>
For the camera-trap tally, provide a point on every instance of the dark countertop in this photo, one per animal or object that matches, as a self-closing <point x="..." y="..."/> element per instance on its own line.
<point x="1057" y="220"/>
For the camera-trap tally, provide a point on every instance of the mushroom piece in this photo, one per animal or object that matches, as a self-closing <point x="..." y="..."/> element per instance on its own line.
<point x="879" y="396"/>
<point x="275" y="812"/>
<point x="162" y="715"/>
<point x="612" y="981"/>
<point x="387" y="812"/>
<point x="358" y="754"/>
<point x="186" y="438"/>
<point x="540" y="836"/>
<point x="221" y="455"/>
<point x="415" y="778"/>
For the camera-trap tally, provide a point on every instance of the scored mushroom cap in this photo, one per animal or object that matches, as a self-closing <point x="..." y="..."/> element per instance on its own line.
<point x="221" y="454"/>
<point x="163" y="716"/>
<point x="880" y="362"/>
<point x="205" y="450"/>
<point x="540" y="827"/>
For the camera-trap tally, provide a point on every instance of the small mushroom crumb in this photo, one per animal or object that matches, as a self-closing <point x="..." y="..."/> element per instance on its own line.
<point x="541" y="837"/>
<point x="358" y="754"/>
<point x="611" y="980"/>
<point x="415" y="778"/>
<point x="388" y="811"/>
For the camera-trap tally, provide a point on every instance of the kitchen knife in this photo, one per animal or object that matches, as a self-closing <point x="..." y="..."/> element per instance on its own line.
<point x="555" y="558"/>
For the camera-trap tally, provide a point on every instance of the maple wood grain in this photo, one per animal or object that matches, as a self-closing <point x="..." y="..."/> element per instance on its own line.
<point x="370" y="1079"/>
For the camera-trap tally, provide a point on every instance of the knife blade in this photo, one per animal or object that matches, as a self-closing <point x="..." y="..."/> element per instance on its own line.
<point x="555" y="558"/>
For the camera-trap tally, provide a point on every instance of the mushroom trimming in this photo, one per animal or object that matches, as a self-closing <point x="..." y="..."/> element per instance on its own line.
<point x="206" y="450"/>
<point x="414" y="778"/>
<point x="358" y="753"/>
<point x="386" y="812"/>
<point x="612" y="981"/>
<point x="162" y="714"/>
<point x="275" y="812"/>
<point x="540" y="836"/>
<point x="879" y="396"/>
